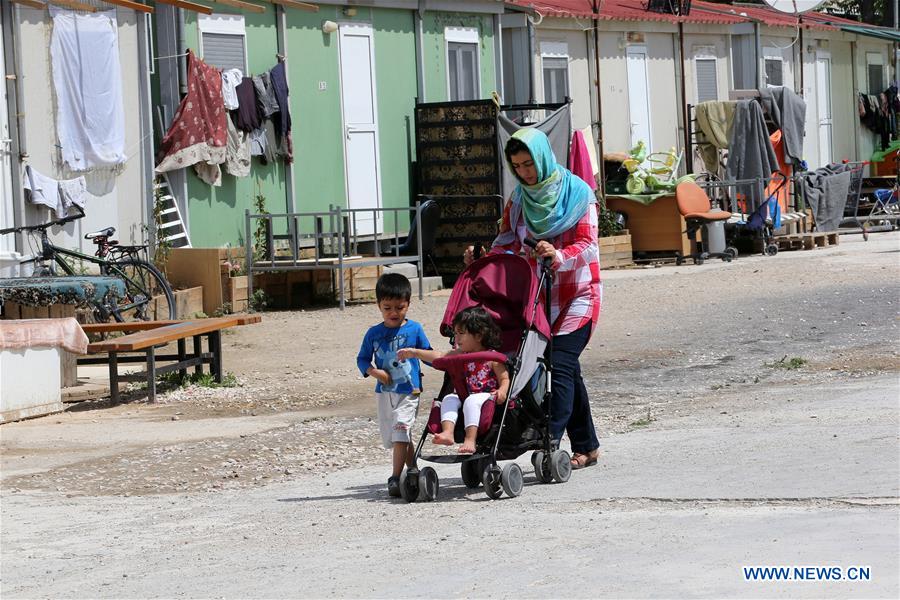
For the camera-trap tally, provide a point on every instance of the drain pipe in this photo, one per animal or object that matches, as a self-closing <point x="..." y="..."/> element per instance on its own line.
<point x="855" y="91"/>
<point x="420" y="53"/>
<point x="16" y="104"/>
<point x="685" y="114"/>
<point x="600" y="164"/>
<point x="182" y="49"/>
<point x="760" y="73"/>
<point x="531" y="61"/>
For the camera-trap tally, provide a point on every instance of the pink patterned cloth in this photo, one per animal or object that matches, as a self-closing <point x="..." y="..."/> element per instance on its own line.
<point x="580" y="160"/>
<point x="43" y="333"/>
<point x="199" y="132"/>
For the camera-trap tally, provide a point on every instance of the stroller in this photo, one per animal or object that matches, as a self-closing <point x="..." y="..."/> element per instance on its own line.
<point x="506" y="286"/>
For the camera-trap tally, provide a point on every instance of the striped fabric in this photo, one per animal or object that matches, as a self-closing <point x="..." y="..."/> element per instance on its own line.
<point x="576" y="295"/>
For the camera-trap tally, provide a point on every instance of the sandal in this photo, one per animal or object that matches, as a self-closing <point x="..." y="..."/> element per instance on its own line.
<point x="581" y="460"/>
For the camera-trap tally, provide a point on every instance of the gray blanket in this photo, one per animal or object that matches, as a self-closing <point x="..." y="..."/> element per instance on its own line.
<point x="558" y="128"/>
<point x="825" y="192"/>
<point x="788" y="110"/>
<point x="750" y="152"/>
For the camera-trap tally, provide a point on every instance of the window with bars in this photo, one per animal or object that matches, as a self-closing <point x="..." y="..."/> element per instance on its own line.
<point x="705" y="70"/>
<point x="774" y="72"/>
<point x="556" y="78"/>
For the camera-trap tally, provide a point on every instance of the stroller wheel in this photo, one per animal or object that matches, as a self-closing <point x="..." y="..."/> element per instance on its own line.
<point x="409" y="485"/>
<point x="771" y="250"/>
<point x="490" y="477"/>
<point x="471" y="473"/>
<point x="560" y="466"/>
<point x="512" y="480"/>
<point x="732" y="251"/>
<point x="541" y="466"/>
<point x="428" y="485"/>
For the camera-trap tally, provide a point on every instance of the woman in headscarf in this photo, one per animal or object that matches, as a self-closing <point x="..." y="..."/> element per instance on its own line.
<point x="558" y="210"/>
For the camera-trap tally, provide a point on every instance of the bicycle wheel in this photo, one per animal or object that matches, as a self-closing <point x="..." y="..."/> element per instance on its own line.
<point x="143" y="283"/>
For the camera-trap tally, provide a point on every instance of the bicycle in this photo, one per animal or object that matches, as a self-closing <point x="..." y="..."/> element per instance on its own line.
<point x="143" y="281"/>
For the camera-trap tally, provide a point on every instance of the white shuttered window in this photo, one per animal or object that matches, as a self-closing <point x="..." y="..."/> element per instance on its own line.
<point x="223" y="41"/>
<point x="705" y="70"/>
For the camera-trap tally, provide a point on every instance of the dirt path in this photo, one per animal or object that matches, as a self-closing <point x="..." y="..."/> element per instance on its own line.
<point x="670" y="339"/>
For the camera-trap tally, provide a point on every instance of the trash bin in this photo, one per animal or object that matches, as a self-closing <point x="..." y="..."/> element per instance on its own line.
<point x="714" y="237"/>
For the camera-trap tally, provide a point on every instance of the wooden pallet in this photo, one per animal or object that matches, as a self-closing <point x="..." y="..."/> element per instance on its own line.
<point x="807" y="241"/>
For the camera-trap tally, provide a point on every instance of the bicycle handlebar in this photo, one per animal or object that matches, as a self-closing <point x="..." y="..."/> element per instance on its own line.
<point x="45" y="226"/>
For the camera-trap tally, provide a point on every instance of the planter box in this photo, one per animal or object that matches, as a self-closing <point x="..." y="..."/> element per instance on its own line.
<point x="234" y="291"/>
<point x="187" y="303"/>
<point x="615" y="251"/>
<point x="193" y="267"/>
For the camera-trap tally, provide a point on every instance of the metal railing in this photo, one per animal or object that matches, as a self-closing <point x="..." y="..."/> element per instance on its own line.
<point x="333" y="245"/>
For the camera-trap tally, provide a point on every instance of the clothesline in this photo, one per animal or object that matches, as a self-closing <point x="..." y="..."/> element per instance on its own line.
<point x="279" y="57"/>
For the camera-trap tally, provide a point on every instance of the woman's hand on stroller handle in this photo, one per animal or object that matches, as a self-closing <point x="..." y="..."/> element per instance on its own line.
<point x="472" y="254"/>
<point x="542" y="249"/>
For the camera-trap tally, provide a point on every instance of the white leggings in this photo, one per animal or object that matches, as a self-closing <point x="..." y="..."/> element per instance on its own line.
<point x="471" y="408"/>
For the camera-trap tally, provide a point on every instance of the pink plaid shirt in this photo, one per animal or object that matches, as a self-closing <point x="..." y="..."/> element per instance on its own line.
<point x="577" y="293"/>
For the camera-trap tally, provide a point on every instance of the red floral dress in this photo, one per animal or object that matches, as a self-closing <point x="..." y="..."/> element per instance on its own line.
<point x="480" y="378"/>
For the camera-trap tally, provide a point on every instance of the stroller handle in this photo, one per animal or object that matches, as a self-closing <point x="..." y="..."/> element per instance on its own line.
<point x="532" y="243"/>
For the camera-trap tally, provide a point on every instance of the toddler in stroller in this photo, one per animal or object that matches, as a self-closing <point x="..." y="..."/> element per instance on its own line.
<point x="505" y="287"/>
<point x="486" y="380"/>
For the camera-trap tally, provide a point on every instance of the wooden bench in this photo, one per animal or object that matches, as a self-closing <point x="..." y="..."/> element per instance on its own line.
<point x="143" y="337"/>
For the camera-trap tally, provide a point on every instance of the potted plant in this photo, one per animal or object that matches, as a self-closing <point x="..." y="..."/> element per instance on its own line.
<point x="614" y="240"/>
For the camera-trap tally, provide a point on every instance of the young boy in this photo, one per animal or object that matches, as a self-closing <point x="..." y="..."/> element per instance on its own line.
<point x="399" y="381"/>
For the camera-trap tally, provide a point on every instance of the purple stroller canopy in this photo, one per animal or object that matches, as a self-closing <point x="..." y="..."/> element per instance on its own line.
<point x="506" y="286"/>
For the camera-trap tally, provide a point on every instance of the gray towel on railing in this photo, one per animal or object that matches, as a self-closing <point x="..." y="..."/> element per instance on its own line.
<point x="825" y="191"/>
<point x="788" y="110"/>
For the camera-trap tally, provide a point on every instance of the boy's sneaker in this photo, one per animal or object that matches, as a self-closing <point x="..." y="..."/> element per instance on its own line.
<point x="394" y="487"/>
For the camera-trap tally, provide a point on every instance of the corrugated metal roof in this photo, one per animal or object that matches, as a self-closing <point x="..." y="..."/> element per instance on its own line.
<point x="701" y="12"/>
<point x="763" y="14"/>
<point x="558" y="8"/>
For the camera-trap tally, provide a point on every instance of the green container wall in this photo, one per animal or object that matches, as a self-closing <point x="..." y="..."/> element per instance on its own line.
<point x="435" y="49"/>
<point x="216" y="214"/>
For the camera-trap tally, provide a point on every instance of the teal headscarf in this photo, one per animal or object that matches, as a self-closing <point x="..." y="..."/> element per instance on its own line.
<point x="559" y="199"/>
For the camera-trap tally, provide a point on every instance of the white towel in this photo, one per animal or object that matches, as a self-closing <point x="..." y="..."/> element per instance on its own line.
<point x="59" y="196"/>
<point x="87" y="77"/>
<point x="230" y="80"/>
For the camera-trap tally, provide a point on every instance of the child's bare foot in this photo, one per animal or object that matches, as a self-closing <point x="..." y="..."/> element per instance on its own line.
<point x="443" y="439"/>
<point x="467" y="448"/>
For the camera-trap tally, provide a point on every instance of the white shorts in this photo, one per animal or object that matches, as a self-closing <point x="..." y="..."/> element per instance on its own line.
<point x="396" y="415"/>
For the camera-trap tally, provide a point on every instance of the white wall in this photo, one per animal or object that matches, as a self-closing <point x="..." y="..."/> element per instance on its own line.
<point x="663" y="83"/>
<point x="580" y="77"/>
<point x="122" y="206"/>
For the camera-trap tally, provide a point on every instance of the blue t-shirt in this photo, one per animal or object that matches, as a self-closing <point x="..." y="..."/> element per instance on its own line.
<point x="381" y="344"/>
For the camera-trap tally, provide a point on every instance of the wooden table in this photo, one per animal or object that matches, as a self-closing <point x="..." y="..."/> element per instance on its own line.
<point x="654" y="227"/>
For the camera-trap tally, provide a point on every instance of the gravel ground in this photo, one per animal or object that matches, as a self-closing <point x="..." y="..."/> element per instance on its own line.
<point x="690" y="374"/>
<point x="670" y="340"/>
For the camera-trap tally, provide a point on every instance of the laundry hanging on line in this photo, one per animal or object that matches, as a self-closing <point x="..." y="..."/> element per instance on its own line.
<point x="57" y="195"/>
<point x="199" y="131"/>
<point x="87" y="79"/>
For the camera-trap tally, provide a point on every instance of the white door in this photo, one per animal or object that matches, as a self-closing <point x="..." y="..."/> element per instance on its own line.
<point x="638" y="95"/>
<point x="823" y="108"/>
<point x="360" y="110"/>
<point x="7" y="242"/>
